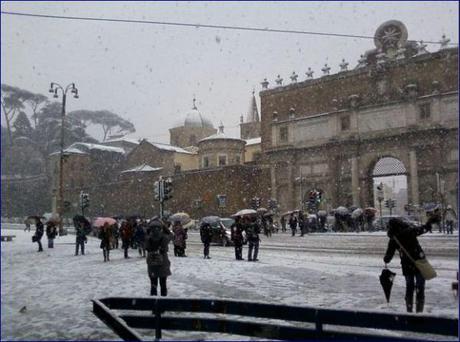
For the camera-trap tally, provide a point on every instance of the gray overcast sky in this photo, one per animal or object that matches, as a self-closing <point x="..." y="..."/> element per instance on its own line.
<point x="149" y="73"/>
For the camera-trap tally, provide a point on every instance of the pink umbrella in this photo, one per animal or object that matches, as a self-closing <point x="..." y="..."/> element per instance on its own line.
<point x="100" y="221"/>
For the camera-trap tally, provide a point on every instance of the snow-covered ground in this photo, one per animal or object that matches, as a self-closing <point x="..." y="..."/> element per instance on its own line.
<point x="323" y="270"/>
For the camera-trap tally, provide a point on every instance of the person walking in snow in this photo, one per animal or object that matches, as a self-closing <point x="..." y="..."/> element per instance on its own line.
<point x="126" y="233"/>
<point x="237" y="237"/>
<point x="293" y="224"/>
<point x="252" y="234"/>
<point x="80" y="238"/>
<point x="158" y="264"/>
<point x="180" y="237"/>
<point x="105" y="235"/>
<point x="404" y="234"/>
<point x="206" y="236"/>
<point x="139" y="238"/>
<point x="283" y="224"/>
<point x="39" y="230"/>
<point x="450" y="218"/>
<point x="51" y="233"/>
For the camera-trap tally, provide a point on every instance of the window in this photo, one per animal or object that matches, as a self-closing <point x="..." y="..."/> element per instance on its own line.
<point x="424" y="110"/>
<point x="237" y="160"/>
<point x="222" y="160"/>
<point x="283" y="134"/>
<point x="275" y="116"/>
<point x="205" y="162"/>
<point x="345" y="123"/>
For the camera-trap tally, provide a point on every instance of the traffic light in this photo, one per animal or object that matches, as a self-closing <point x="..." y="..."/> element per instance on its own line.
<point x="167" y="189"/>
<point x="156" y="189"/>
<point x="67" y="205"/>
<point x="255" y="203"/>
<point x="84" y="200"/>
<point x="272" y="204"/>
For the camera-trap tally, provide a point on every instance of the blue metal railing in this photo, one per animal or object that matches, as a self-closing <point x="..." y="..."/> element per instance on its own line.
<point x="290" y="318"/>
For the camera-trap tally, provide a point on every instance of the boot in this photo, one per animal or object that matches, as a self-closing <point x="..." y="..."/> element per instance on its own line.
<point x="409" y="306"/>
<point x="153" y="291"/>
<point x="419" y="305"/>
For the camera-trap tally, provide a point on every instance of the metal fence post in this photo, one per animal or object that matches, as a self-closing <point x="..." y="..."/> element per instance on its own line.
<point x="157" y="313"/>
<point x="318" y="323"/>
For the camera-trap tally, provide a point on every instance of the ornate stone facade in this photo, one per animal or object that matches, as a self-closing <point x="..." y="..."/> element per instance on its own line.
<point x="330" y="132"/>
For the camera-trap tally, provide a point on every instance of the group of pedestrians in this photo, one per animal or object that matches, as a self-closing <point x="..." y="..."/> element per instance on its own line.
<point x="51" y="233"/>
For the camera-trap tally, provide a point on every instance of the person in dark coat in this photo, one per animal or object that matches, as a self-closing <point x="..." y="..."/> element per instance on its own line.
<point x="407" y="234"/>
<point x="158" y="264"/>
<point x="139" y="238"/>
<point x="252" y="229"/>
<point x="283" y="224"/>
<point x="80" y="238"/>
<point x="115" y="235"/>
<point x="237" y="237"/>
<point x="126" y="233"/>
<point x="206" y="236"/>
<point x="303" y="224"/>
<point x="105" y="234"/>
<point x="180" y="237"/>
<point x="51" y="232"/>
<point x="39" y="230"/>
<point x="293" y="224"/>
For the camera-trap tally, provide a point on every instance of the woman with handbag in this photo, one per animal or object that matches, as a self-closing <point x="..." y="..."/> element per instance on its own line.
<point x="158" y="264"/>
<point x="403" y="237"/>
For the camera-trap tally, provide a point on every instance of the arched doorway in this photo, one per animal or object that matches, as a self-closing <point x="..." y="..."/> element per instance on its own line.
<point x="390" y="175"/>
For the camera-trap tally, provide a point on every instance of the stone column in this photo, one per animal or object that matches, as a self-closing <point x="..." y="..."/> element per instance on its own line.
<point x="413" y="177"/>
<point x="273" y="193"/>
<point x="355" y="181"/>
<point x="290" y="189"/>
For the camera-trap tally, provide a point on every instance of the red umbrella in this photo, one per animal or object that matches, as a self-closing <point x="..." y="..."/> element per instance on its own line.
<point x="100" y="221"/>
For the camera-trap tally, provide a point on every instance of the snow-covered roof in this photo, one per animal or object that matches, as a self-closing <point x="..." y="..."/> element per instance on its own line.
<point x="220" y="136"/>
<point x="168" y="147"/>
<point x="84" y="148"/>
<point x="97" y="147"/>
<point x="132" y="141"/>
<point x="253" y="141"/>
<point x="142" y="168"/>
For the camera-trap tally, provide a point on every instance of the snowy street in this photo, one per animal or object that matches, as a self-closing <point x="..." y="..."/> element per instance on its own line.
<point x="56" y="287"/>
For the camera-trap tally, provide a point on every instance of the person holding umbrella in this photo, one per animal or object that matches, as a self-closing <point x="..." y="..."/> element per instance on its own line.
<point x="105" y="234"/>
<point x="180" y="237"/>
<point x="403" y="237"/>
<point x="237" y="237"/>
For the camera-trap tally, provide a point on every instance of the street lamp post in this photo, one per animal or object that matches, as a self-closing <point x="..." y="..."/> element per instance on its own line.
<point x="54" y="88"/>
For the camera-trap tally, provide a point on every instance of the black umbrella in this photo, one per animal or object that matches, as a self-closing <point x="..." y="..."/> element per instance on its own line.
<point x="386" y="280"/>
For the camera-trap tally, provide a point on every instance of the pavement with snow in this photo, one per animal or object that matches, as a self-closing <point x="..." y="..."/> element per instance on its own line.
<point x="329" y="270"/>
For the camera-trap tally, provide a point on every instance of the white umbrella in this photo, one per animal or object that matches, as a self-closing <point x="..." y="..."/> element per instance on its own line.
<point x="341" y="210"/>
<point x="184" y="218"/>
<point x="357" y="213"/>
<point x="322" y="213"/>
<point x="245" y="212"/>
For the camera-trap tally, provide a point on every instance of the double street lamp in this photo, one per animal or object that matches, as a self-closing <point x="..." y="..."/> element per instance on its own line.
<point x="55" y="88"/>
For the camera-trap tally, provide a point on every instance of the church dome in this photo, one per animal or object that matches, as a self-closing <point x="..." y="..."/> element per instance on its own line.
<point x="195" y="119"/>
